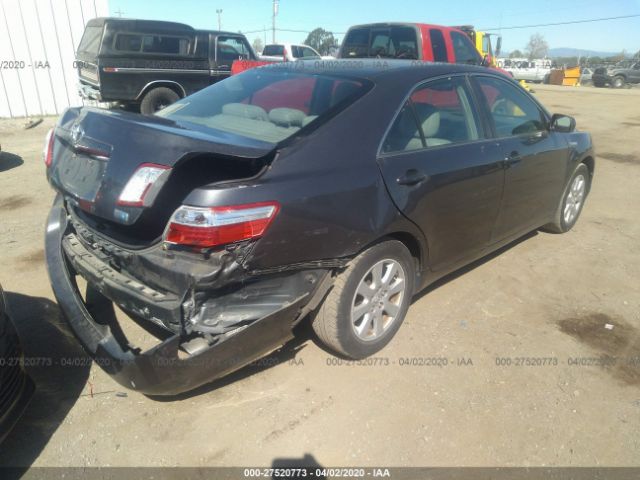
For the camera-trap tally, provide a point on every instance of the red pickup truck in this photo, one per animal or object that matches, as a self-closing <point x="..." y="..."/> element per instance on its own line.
<point x="418" y="41"/>
<point x="414" y="41"/>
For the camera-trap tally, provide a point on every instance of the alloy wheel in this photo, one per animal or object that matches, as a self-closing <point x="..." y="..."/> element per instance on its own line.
<point x="575" y="197"/>
<point x="378" y="299"/>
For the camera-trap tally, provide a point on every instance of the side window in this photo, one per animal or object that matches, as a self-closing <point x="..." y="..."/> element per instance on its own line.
<point x="230" y="49"/>
<point x="513" y="112"/>
<point x="464" y="50"/>
<point x="404" y="134"/>
<point x="437" y="113"/>
<point x="167" y="45"/>
<point x="273" y="50"/>
<point x="308" y="53"/>
<point x="128" y="43"/>
<point x="438" y="46"/>
<point x="296" y="51"/>
<point x="486" y="45"/>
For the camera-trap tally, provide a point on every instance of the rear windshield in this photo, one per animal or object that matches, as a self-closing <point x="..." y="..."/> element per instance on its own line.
<point x="273" y="50"/>
<point x="90" y="42"/>
<point x="386" y="42"/>
<point x="266" y="105"/>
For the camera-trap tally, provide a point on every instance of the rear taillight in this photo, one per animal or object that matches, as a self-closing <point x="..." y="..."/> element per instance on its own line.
<point x="143" y="187"/>
<point x="210" y="227"/>
<point x="47" y="152"/>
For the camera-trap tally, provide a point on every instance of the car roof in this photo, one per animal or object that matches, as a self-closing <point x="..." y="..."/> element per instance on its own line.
<point x="135" y="22"/>
<point x="379" y="68"/>
<point x="285" y="44"/>
<point x="405" y="24"/>
<point x="222" y="32"/>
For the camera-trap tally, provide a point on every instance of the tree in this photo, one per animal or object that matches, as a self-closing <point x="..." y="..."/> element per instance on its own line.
<point x="537" y="47"/>
<point x="257" y="44"/>
<point x="322" y="40"/>
<point x="515" y="54"/>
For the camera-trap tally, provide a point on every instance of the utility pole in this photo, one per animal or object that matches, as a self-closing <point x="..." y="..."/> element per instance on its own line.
<point x="276" y="3"/>
<point x="219" y="12"/>
<point x="119" y="12"/>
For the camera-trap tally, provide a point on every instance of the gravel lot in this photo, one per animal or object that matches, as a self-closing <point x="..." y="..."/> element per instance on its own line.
<point x="546" y="296"/>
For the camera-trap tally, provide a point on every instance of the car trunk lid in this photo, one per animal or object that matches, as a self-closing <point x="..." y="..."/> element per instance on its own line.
<point x="98" y="151"/>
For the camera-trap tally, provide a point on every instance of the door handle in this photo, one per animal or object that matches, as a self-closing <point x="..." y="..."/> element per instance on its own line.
<point x="513" y="158"/>
<point x="412" y="177"/>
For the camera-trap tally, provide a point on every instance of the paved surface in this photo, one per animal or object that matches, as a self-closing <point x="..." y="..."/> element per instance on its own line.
<point x="547" y="296"/>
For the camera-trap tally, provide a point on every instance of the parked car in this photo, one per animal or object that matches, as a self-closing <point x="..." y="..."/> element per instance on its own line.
<point x="16" y="388"/>
<point x="529" y="70"/>
<point x="148" y="64"/>
<point x="277" y="52"/>
<point x="289" y="191"/>
<point x="617" y="76"/>
<point x="585" y="76"/>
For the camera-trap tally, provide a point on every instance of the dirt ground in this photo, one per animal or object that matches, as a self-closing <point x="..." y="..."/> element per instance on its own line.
<point x="546" y="296"/>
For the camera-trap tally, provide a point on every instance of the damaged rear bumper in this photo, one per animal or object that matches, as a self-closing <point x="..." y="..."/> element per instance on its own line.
<point x="167" y="368"/>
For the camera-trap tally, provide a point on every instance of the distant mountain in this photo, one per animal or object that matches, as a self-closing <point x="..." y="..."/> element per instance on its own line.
<point x="574" y="52"/>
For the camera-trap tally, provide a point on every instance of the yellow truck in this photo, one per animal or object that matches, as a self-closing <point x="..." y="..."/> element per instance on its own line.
<point x="482" y="42"/>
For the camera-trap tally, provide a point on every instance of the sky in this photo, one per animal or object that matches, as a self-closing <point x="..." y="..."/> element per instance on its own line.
<point x="338" y="15"/>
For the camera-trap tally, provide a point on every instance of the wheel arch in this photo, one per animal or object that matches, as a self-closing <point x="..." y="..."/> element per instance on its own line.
<point x="172" y="85"/>
<point x="590" y="164"/>
<point x="416" y="247"/>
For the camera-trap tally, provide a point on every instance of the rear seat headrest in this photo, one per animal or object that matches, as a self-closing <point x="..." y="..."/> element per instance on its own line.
<point x="287" y="117"/>
<point x="246" y="111"/>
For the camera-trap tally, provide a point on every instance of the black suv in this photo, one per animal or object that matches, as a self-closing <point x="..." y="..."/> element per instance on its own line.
<point x="617" y="76"/>
<point x="150" y="64"/>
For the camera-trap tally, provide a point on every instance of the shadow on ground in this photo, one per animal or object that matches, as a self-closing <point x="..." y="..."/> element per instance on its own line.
<point x="9" y="161"/>
<point x="297" y="468"/>
<point x="49" y="347"/>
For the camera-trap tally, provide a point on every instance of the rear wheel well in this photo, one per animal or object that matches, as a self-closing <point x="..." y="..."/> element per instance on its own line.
<point x="177" y="88"/>
<point x="412" y="244"/>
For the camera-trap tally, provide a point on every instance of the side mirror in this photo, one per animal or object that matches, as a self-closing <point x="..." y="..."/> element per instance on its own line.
<point x="498" y="46"/>
<point x="562" y="123"/>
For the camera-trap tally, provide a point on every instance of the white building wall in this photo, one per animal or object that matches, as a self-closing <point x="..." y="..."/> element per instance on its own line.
<point x="38" y="39"/>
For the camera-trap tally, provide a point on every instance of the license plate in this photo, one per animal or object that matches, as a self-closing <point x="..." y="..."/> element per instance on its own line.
<point x="81" y="176"/>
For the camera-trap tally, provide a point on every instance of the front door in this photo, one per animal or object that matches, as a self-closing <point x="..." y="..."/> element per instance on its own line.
<point x="535" y="158"/>
<point x="227" y="49"/>
<point x="442" y="172"/>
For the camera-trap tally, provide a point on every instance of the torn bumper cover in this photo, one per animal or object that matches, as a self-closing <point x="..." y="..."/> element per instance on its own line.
<point x="168" y="368"/>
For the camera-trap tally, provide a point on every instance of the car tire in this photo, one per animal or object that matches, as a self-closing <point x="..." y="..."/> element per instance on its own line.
<point x="618" y="81"/>
<point x="368" y="301"/>
<point x="571" y="202"/>
<point x="157" y="99"/>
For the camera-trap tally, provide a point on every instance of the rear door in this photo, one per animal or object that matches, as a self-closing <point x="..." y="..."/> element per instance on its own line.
<point x="535" y="158"/>
<point x="442" y="172"/>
